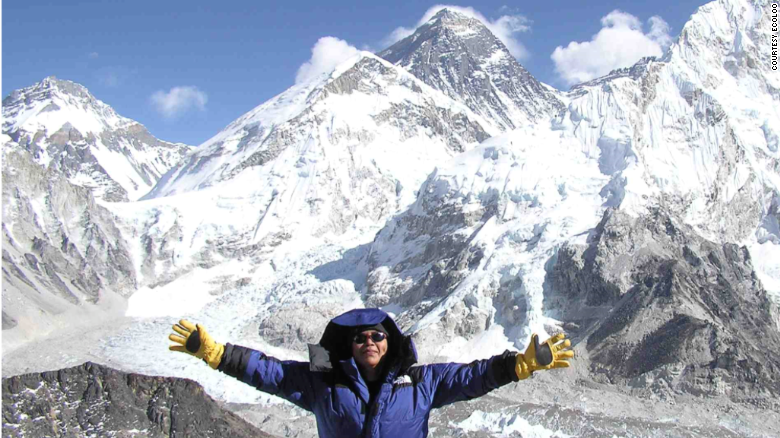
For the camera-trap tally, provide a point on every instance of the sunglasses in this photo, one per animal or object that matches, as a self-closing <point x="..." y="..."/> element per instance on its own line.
<point x="361" y="338"/>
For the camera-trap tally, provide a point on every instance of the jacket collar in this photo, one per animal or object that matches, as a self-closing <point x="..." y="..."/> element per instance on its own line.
<point x="350" y="369"/>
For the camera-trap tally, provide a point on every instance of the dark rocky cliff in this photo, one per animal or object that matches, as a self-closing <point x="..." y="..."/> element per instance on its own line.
<point x="665" y="310"/>
<point x="97" y="401"/>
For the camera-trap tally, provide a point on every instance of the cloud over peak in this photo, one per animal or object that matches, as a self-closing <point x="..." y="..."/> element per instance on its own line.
<point x="178" y="101"/>
<point x="326" y="54"/>
<point x="621" y="42"/>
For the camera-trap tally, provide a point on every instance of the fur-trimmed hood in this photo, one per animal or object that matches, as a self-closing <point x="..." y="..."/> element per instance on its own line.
<point x="335" y="344"/>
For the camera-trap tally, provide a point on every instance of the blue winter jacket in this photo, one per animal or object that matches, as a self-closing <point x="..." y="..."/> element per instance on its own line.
<point x="331" y="387"/>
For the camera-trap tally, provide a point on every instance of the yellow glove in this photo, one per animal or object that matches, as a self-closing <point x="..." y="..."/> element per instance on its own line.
<point x="194" y="340"/>
<point x="547" y="355"/>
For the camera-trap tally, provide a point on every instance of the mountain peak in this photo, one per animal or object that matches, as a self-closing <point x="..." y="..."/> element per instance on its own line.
<point x="51" y="103"/>
<point x="463" y="25"/>
<point x="460" y="56"/>
<point x="45" y="90"/>
<point x="62" y="125"/>
<point x="449" y="15"/>
<point x="65" y="86"/>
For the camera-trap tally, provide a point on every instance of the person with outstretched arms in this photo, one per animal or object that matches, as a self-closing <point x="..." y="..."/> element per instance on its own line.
<point x="361" y="379"/>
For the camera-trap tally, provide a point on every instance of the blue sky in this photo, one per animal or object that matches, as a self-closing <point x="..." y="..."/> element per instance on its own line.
<point x="185" y="69"/>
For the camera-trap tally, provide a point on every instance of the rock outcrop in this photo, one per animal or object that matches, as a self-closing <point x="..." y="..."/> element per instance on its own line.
<point x="663" y="309"/>
<point x="94" y="400"/>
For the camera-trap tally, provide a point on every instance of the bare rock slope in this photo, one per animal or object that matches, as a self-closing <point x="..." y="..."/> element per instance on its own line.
<point x="661" y="309"/>
<point x="94" y="400"/>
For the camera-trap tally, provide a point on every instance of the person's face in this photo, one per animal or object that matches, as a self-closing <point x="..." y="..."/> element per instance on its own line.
<point x="369" y="353"/>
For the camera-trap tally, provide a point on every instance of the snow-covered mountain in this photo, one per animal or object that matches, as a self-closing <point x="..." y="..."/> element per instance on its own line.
<point x="62" y="252"/>
<point x="328" y="160"/>
<point x="642" y="219"/>
<point x="461" y="57"/>
<point x="293" y="183"/>
<point x="64" y="127"/>
<point x="367" y="106"/>
<point x="692" y="136"/>
<point x="63" y="152"/>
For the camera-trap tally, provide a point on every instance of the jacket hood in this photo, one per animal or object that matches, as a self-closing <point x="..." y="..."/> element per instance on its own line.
<point x="335" y="344"/>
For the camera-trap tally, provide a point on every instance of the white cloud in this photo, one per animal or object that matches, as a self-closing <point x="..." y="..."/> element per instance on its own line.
<point x="618" y="18"/>
<point x="326" y="54"/>
<point x="505" y="28"/>
<point x="621" y="42"/>
<point x="94" y="55"/>
<point x="179" y="101"/>
<point x="659" y="31"/>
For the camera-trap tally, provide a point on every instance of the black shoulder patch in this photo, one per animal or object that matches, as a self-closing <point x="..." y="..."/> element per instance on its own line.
<point x="416" y="374"/>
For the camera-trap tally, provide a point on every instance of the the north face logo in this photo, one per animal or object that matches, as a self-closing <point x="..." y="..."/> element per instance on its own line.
<point x="402" y="380"/>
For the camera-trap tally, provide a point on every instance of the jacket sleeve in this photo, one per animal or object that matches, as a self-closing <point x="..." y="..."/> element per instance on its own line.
<point x="452" y="382"/>
<point x="293" y="381"/>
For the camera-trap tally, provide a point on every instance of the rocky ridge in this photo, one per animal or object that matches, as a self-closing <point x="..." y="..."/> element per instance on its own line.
<point x="94" y="400"/>
<point x="662" y="310"/>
